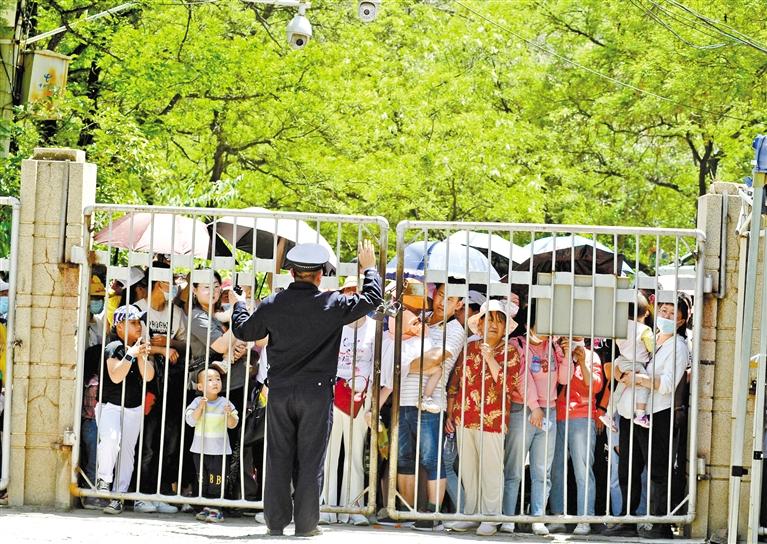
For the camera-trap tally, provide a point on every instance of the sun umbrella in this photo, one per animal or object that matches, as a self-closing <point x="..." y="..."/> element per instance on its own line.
<point x="159" y="232"/>
<point x="501" y="250"/>
<point x="239" y="231"/>
<point x="457" y="259"/>
<point x="566" y="249"/>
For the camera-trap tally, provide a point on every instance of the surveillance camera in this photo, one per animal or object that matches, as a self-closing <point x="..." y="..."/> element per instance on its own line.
<point x="367" y="10"/>
<point x="299" y="31"/>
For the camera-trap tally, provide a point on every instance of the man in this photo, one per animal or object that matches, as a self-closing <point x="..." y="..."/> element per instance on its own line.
<point x="447" y="335"/>
<point x="304" y="328"/>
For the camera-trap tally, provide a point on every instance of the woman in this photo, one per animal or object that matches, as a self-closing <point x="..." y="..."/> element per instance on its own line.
<point x="479" y="397"/>
<point x="663" y="374"/>
<point x="576" y="405"/>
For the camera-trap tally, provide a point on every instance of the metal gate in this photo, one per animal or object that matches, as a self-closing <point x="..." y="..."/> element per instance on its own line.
<point x="179" y="262"/>
<point x="9" y="238"/>
<point x="571" y="293"/>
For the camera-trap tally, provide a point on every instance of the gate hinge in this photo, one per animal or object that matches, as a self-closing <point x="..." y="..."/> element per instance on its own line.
<point x="739" y="472"/>
<point x="758" y="456"/>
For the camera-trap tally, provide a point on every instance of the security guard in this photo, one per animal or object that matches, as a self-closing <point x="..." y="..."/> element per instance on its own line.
<point x="304" y="327"/>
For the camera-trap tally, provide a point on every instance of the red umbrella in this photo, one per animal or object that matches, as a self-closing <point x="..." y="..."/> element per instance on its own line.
<point x="160" y="232"/>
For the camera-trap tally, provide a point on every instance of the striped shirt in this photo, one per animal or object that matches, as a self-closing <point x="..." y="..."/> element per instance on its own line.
<point x="210" y="432"/>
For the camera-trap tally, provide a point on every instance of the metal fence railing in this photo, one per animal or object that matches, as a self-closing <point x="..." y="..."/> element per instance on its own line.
<point x="8" y="266"/>
<point x="177" y="264"/>
<point x="545" y="349"/>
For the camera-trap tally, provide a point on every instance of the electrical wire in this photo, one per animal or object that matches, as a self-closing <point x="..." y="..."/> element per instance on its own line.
<point x="592" y="70"/>
<point x="733" y="33"/>
<point x="668" y="27"/>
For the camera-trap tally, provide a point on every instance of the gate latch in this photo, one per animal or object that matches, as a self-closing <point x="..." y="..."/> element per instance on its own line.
<point x="758" y="456"/>
<point x="739" y="472"/>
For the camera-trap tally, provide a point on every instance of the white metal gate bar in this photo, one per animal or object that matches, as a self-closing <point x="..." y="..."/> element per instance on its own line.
<point x="9" y="265"/>
<point x="243" y="272"/>
<point x="542" y="292"/>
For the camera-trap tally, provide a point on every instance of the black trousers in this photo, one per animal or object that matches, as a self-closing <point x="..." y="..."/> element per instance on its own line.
<point x="299" y="419"/>
<point x="212" y="468"/>
<point x="657" y="459"/>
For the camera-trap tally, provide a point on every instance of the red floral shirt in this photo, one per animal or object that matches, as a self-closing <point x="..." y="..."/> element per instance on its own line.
<point x="466" y="389"/>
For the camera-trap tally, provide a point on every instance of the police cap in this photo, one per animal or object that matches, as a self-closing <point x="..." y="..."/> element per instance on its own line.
<point x="307" y="257"/>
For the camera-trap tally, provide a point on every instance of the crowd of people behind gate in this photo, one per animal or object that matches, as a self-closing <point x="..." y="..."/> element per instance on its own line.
<point x="165" y="416"/>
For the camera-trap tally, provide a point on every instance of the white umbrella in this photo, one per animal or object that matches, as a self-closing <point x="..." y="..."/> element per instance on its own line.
<point x="497" y="244"/>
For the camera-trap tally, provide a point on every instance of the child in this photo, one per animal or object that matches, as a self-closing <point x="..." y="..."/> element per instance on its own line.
<point x="210" y="415"/>
<point x="635" y="352"/>
<point x="120" y="411"/>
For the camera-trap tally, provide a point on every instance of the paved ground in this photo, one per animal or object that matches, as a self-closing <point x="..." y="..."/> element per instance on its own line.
<point x="27" y="526"/>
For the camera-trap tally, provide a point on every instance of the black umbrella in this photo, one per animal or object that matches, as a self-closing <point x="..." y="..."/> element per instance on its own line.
<point x="568" y="249"/>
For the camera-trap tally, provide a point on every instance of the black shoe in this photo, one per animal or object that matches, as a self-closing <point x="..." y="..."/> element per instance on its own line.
<point x="428" y="525"/>
<point x="659" y="531"/>
<point x="620" y="529"/>
<point x="274" y="532"/>
<point x="313" y="532"/>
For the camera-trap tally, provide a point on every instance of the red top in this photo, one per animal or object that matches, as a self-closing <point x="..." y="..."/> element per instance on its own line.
<point x="466" y="388"/>
<point x="580" y="406"/>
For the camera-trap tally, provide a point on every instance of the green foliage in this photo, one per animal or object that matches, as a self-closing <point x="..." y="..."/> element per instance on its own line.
<point x="430" y="112"/>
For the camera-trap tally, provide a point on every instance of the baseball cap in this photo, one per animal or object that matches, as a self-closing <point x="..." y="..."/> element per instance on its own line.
<point x="128" y="312"/>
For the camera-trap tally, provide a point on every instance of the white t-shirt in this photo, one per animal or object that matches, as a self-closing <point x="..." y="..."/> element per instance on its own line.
<point x="363" y="358"/>
<point x="411" y="349"/>
<point x="158" y="322"/>
<point x="454" y="337"/>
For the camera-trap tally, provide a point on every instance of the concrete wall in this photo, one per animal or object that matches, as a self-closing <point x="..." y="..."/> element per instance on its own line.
<point x="55" y="185"/>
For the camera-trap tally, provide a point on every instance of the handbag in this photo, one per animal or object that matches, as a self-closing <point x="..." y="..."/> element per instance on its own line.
<point x="343" y="395"/>
<point x="255" y="418"/>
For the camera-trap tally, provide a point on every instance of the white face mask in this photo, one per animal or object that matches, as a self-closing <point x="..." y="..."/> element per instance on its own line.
<point x="666" y="326"/>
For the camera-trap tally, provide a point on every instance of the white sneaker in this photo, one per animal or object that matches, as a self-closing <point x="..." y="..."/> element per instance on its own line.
<point x="460" y="526"/>
<point x="260" y="518"/>
<point x="359" y="520"/>
<point x="508" y="527"/>
<point x="540" y="529"/>
<point x="326" y="518"/>
<point x="582" y="529"/>
<point x="557" y="528"/>
<point x="428" y="405"/>
<point x="145" y="507"/>
<point x="165" y="508"/>
<point x="487" y="529"/>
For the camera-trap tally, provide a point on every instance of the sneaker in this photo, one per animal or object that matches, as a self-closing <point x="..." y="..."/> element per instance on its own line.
<point x="313" y="532"/>
<point x="487" y="529"/>
<point x="202" y="515"/>
<point x="326" y="518"/>
<point x="215" y="516"/>
<point x="145" y="507"/>
<point x="540" y="529"/>
<point x="165" y="508"/>
<point x="508" y="527"/>
<point x="94" y="503"/>
<point x="359" y="520"/>
<point x="659" y="531"/>
<point x="557" y="528"/>
<point x="428" y="405"/>
<point x="609" y="422"/>
<point x="582" y="529"/>
<point x="428" y="525"/>
<point x="460" y="526"/>
<point x="102" y="486"/>
<point x="115" y="506"/>
<point x="642" y="421"/>
<point x="260" y="518"/>
<point x="621" y="529"/>
<point x="274" y="532"/>
<point x="187" y="508"/>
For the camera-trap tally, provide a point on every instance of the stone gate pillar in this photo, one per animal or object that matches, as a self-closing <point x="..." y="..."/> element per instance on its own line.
<point x="55" y="186"/>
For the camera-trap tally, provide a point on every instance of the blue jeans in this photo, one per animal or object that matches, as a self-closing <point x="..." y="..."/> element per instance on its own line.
<point x="449" y="454"/>
<point x="89" y="437"/>
<point x="541" y="447"/>
<point x="581" y="434"/>
<point x="430" y="444"/>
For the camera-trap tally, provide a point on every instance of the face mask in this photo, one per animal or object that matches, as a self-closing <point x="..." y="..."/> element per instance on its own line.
<point x="173" y="292"/>
<point x="96" y="306"/>
<point x="666" y="326"/>
<point x="168" y="296"/>
<point x="3" y="305"/>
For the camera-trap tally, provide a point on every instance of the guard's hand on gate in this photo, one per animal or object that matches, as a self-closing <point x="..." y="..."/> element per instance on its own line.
<point x="536" y="418"/>
<point x="366" y="256"/>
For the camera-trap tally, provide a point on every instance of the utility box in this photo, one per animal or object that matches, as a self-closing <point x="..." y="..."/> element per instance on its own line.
<point x="45" y="78"/>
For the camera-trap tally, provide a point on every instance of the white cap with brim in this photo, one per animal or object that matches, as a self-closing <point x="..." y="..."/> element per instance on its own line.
<point x="494" y="305"/>
<point x="4" y="286"/>
<point x="349" y="283"/>
<point x="135" y="275"/>
<point x="307" y="257"/>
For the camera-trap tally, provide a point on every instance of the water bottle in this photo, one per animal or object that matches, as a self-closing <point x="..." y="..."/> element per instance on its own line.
<point x="449" y="444"/>
<point x="545" y="425"/>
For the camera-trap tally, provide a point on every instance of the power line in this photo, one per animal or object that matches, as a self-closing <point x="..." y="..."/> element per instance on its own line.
<point x="591" y="70"/>
<point x="668" y="27"/>
<point x="715" y="25"/>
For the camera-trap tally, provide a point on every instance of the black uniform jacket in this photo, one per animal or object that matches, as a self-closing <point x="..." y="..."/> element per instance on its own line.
<point x="304" y="326"/>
